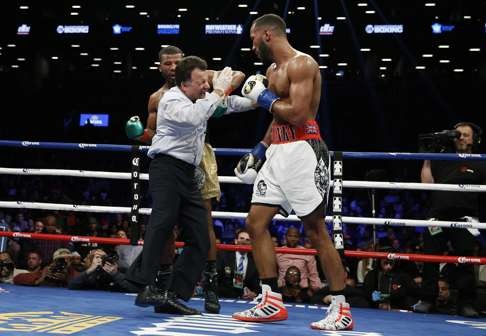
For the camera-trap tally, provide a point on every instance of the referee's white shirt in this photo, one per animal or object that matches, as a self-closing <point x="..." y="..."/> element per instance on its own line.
<point x="181" y="123"/>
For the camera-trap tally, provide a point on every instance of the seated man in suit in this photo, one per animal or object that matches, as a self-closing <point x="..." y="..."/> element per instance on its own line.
<point x="237" y="274"/>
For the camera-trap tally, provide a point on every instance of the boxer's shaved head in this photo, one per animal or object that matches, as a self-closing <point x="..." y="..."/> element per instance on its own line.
<point x="271" y="21"/>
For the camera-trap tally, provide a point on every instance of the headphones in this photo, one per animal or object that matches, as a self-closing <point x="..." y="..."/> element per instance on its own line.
<point x="477" y="131"/>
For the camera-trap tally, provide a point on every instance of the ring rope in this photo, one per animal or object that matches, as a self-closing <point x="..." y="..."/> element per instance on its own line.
<point x="242" y="215"/>
<point x="228" y="247"/>
<point x="242" y="151"/>
<point x="235" y="180"/>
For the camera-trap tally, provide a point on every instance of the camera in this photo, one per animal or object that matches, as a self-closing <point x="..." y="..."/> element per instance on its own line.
<point x="59" y="265"/>
<point x="438" y="142"/>
<point x="7" y="264"/>
<point x="111" y="258"/>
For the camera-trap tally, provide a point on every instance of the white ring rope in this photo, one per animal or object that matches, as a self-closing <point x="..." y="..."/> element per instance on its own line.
<point x="235" y="180"/>
<point x="240" y="215"/>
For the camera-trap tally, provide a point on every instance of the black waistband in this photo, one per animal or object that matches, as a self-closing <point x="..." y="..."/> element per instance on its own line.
<point x="179" y="162"/>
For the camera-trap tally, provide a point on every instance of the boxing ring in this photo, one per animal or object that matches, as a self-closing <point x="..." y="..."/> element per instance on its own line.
<point x="48" y="311"/>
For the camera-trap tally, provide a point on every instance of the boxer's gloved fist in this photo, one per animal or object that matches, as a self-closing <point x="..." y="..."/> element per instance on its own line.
<point x="221" y="109"/>
<point x="134" y="128"/>
<point x="249" y="165"/>
<point x="255" y="88"/>
<point x="222" y="80"/>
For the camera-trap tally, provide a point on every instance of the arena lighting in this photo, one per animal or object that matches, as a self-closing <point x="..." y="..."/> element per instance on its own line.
<point x="134" y="67"/>
<point x="157" y="63"/>
<point x="54" y="57"/>
<point x="365" y="49"/>
<point x="420" y="67"/>
<point x="97" y="59"/>
<point x="258" y="63"/>
<point x="23" y="29"/>
<point x="386" y="59"/>
<point x="153" y="68"/>
<point x="427" y="55"/>
<point x="444" y="61"/>
<point x="242" y="5"/>
<point x="143" y="13"/>
<point x="21" y="59"/>
<point x="443" y="46"/>
<point x="323" y="55"/>
<point x="74" y="13"/>
<point x="343" y="64"/>
<point x="467" y="17"/>
<point x="75" y="6"/>
<point x="301" y="8"/>
<point x="253" y="13"/>
<point x="383" y="68"/>
<point x="23" y="7"/>
<point x="370" y="12"/>
<point x="75" y="45"/>
<point x="139" y="48"/>
<point x="458" y="70"/>
<point x="11" y="45"/>
<point x="83" y="54"/>
<point x="216" y="58"/>
<point x="430" y="4"/>
<point x="182" y="9"/>
<point x="95" y="65"/>
<point x="117" y="71"/>
<point x="15" y="66"/>
<point x="129" y="6"/>
<point x="245" y="49"/>
<point x="322" y="66"/>
<point x="114" y="48"/>
<point x="362" y="4"/>
<point x="474" y="49"/>
<point x="117" y="62"/>
<point x="341" y="18"/>
<point x="314" y="46"/>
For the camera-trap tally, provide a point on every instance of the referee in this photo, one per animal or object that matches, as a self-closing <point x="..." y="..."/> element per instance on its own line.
<point x="176" y="151"/>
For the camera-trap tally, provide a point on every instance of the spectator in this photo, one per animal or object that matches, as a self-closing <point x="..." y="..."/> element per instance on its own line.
<point x="102" y="274"/>
<point x="7" y="268"/>
<point x="309" y="277"/>
<point x="34" y="268"/>
<point x="237" y="274"/>
<point x="387" y="288"/>
<point x="291" y="290"/>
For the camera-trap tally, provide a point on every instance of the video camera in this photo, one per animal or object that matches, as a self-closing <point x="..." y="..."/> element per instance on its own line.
<point x="438" y="142"/>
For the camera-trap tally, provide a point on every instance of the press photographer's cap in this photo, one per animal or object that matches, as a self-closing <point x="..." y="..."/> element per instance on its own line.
<point x="61" y="253"/>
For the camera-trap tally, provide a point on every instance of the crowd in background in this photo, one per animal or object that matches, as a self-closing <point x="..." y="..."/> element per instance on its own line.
<point x="382" y="284"/>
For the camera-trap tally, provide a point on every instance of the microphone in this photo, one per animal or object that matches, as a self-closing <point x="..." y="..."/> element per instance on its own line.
<point x="452" y="134"/>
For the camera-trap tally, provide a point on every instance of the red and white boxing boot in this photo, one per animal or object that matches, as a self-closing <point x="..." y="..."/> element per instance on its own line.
<point x="269" y="309"/>
<point x="338" y="316"/>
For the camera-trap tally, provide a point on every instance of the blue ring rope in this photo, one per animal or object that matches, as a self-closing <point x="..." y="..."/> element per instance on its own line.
<point x="240" y="151"/>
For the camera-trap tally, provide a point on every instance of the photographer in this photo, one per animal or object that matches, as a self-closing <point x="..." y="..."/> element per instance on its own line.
<point x="58" y="272"/>
<point x="453" y="206"/>
<point x="101" y="273"/>
<point x="7" y="268"/>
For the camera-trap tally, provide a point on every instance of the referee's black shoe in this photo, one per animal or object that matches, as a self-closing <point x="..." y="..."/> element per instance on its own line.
<point x="169" y="304"/>
<point x="149" y="296"/>
<point x="153" y="293"/>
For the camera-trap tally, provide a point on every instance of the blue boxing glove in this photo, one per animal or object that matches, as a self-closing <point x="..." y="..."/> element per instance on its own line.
<point x="255" y="89"/>
<point x="249" y="165"/>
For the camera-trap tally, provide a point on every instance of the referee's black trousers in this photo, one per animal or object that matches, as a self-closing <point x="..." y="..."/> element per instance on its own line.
<point x="176" y="200"/>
